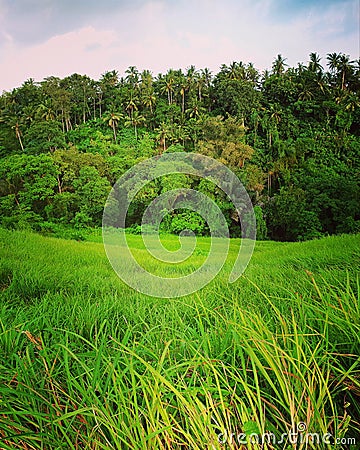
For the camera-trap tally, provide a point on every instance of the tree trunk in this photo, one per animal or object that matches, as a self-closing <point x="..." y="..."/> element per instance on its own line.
<point x="62" y="120"/>
<point x="19" y="138"/>
<point x="114" y="131"/>
<point x="343" y="81"/>
<point x="59" y="184"/>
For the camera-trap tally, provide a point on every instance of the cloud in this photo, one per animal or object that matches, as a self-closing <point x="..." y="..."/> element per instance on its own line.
<point x="34" y="21"/>
<point x="76" y="51"/>
<point x="158" y="35"/>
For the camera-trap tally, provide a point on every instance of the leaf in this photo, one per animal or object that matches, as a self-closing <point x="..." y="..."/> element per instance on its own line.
<point x="250" y="427"/>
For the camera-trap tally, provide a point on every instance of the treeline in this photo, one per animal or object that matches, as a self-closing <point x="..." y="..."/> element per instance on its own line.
<point x="291" y="134"/>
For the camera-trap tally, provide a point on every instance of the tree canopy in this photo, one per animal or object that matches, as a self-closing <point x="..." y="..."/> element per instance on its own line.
<point x="291" y="134"/>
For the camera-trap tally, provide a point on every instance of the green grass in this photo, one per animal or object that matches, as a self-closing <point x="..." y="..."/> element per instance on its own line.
<point x="88" y="363"/>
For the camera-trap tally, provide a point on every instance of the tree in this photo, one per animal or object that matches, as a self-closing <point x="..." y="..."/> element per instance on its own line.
<point x="44" y="136"/>
<point x="45" y="110"/>
<point x="112" y="118"/>
<point x="224" y="140"/>
<point x="91" y="191"/>
<point x="163" y="133"/>
<point x="132" y="77"/>
<point x="131" y="105"/>
<point x="107" y="89"/>
<point x="167" y="83"/>
<point x="27" y="183"/>
<point x="314" y="63"/>
<point x="14" y="123"/>
<point x="195" y="109"/>
<point x="341" y="67"/>
<point x="135" y="120"/>
<point x="278" y="66"/>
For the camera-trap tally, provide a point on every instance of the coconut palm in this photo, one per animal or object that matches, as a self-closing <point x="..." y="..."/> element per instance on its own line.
<point x="163" y="133"/>
<point x="279" y="65"/>
<point x="346" y="69"/>
<point x="341" y="67"/>
<point x="168" y="85"/>
<point x="14" y="123"/>
<point x="112" y="118"/>
<point x="333" y="61"/>
<point x="46" y="111"/>
<point x="135" y="120"/>
<point x="149" y="99"/>
<point x="314" y="63"/>
<point x="195" y="109"/>
<point x="131" y="105"/>
<point x="132" y="77"/>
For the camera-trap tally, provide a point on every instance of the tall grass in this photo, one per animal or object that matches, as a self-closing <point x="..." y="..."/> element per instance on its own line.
<point x="87" y="363"/>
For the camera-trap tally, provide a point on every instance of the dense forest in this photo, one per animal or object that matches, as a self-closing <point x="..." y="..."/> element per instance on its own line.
<point x="291" y="134"/>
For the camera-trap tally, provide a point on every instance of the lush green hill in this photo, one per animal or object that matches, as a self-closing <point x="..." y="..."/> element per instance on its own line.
<point x="290" y="134"/>
<point x="86" y="362"/>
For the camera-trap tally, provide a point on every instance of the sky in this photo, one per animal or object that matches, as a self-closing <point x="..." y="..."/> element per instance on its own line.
<point x="40" y="38"/>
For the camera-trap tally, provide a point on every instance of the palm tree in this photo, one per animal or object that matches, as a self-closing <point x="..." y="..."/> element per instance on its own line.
<point x="333" y="61"/>
<point x="163" y="133"/>
<point x="306" y="93"/>
<point x="13" y="121"/>
<point x="341" y="67"/>
<point x="135" y="120"/>
<point x="110" y="78"/>
<point x="107" y="84"/>
<point x="251" y="74"/>
<point x="195" y="109"/>
<point x="112" y="118"/>
<point x="18" y="133"/>
<point x="46" y="111"/>
<point x="149" y="99"/>
<point x="235" y="71"/>
<point x="346" y="69"/>
<point x="131" y="106"/>
<point x="132" y="77"/>
<point x="207" y="75"/>
<point x="321" y="81"/>
<point x="29" y="113"/>
<point x="168" y="86"/>
<point x="183" y="89"/>
<point x="146" y="79"/>
<point x="279" y="65"/>
<point x="180" y="134"/>
<point x="314" y="63"/>
<point x="191" y="75"/>
<point x="300" y="69"/>
<point x="200" y="83"/>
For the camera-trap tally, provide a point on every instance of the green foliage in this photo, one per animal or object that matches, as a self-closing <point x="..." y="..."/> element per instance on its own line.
<point x="45" y="136"/>
<point x="91" y="191"/>
<point x="290" y="134"/>
<point x="261" y="228"/>
<point x="290" y="217"/>
<point x="188" y="220"/>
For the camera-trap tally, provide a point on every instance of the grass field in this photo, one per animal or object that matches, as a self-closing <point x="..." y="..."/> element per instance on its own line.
<point x="88" y="363"/>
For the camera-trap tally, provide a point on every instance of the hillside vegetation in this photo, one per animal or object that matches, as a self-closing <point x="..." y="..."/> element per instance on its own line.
<point x="291" y="134"/>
